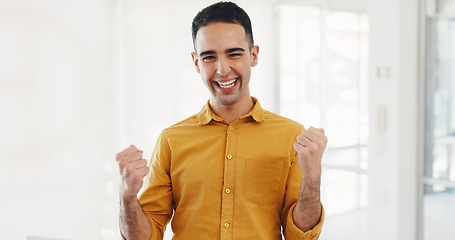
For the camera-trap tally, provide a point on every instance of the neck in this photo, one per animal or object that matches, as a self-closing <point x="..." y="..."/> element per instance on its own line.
<point x="230" y="113"/>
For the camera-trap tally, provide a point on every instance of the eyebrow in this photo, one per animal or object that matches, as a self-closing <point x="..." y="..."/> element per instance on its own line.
<point x="230" y="50"/>
<point x="210" y="52"/>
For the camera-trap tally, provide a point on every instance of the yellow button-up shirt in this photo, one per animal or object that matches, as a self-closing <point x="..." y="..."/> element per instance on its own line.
<point x="226" y="181"/>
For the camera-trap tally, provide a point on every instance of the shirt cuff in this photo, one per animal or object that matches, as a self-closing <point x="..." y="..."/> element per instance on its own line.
<point x="293" y="232"/>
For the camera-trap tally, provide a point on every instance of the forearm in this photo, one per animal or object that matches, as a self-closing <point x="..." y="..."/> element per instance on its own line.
<point x="134" y="223"/>
<point x="308" y="209"/>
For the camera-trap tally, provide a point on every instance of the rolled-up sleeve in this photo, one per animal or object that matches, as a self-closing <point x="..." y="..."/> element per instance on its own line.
<point x="293" y="232"/>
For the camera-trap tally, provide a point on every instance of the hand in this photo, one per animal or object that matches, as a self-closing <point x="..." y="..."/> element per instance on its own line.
<point x="310" y="146"/>
<point x="133" y="169"/>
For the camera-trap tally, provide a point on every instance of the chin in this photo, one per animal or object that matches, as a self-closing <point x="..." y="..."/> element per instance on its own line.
<point x="229" y="100"/>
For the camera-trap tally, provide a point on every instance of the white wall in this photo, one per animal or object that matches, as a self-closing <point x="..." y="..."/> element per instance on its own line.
<point x="393" y="198"/>
<point x="56" y="138"/>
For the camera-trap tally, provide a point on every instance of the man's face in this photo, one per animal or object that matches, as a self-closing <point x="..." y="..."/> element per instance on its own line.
<point x="224" y="60"/>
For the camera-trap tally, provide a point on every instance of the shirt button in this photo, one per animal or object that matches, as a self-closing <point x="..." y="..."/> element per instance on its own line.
<point x="226" y="225"/>
<point x="228" y="190"/>
<point x="229" y="156"/>
<point x="231" y="128"/>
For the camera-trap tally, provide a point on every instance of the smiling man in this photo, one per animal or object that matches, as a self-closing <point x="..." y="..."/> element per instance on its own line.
<point x="233" y="170"/>
<point x="224" y="55"/>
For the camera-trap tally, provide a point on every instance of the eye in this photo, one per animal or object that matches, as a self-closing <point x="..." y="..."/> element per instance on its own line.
<point x="235" y="55"/>
<point x="208" y="58"/>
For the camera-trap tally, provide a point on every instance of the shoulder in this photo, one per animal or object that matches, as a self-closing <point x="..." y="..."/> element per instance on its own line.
<point x="278" y="120"/>
<point x="176" y="131"/>
<point x="187" y="123"/>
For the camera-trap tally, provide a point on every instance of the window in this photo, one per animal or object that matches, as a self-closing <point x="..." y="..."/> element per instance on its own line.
<point x="438" y="180"/>
<point x="322" y="82"/>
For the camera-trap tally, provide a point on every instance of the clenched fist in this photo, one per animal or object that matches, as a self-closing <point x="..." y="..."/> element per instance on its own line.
<point x="310" y="146"/>
<point x="133" y="169"/>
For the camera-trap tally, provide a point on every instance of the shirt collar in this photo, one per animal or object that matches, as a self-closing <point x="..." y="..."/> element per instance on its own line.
<point x="206" y="114"/>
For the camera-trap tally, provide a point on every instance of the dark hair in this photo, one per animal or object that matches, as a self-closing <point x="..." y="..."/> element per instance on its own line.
<point x="227" y="12"/>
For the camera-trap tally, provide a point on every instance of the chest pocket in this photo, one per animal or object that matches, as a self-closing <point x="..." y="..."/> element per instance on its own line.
<point x="262" y="180"/>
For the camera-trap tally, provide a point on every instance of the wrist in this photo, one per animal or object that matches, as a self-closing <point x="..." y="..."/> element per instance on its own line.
<point x="310" y="190"/>
<point x="126" y="198"/>
<point x="127" y="193"/>
<point x="311" y="181"/>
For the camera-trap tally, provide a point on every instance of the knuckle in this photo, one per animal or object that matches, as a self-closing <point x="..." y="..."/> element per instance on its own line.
<point x="121" y="164"/>
<point x="297" y="145"/>
<point x="137" y="155"/>
<point x="138" y="174"/>
<point x="129" y="169"/>
<point x="118" y="156"/>
<point x="312" y="148"/>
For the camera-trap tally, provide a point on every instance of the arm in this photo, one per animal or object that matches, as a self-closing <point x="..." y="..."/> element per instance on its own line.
<point x="308" y="209"/>
<point x="310" y="146"/>
<point x="134" y="224"/>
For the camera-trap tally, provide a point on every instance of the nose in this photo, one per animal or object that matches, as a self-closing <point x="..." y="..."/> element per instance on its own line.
<point x="223" y="66"/>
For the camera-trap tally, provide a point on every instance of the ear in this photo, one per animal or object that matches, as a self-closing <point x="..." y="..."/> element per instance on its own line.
<point x="196" y="61"/>
<point x="254" y="55"/>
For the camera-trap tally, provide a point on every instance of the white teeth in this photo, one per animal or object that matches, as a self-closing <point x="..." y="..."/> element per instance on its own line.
<point x="227" y="84"/>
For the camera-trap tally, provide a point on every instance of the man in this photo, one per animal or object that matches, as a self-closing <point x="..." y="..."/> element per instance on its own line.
<point x="234" y="170"/>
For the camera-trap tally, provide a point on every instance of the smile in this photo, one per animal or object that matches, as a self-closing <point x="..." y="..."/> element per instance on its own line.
<point x="227" y="84"/>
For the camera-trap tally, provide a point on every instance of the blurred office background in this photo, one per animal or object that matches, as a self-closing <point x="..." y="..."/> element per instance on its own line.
<point x="81" y="80"/>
